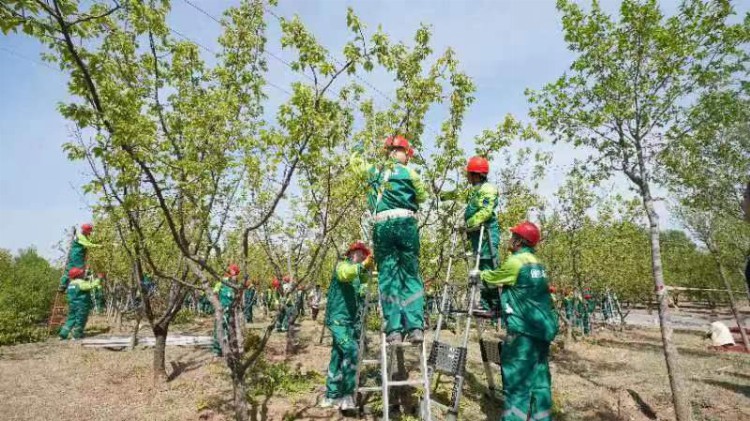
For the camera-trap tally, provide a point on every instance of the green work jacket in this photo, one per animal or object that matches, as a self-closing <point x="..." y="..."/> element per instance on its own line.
<point x="526" y="300"/>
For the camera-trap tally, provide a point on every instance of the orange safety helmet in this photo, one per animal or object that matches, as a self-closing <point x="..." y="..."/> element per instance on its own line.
<point x="528" y="231"/>
<point x="478" y="165"/>
<point x="233" y="270"/>
<point x="399" y="141"/>
<point x="275" y="283"/>
<point x="76" y="273"/>
<point x="86" y="229"/>
<point x="358" y="245"/>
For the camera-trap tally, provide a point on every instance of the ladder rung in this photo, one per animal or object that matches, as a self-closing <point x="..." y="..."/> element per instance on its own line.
<point x="370" y="389"/>
<point x="371" y="362"/>
<point x="405" y="344"/>
<point x="406" y="383"/>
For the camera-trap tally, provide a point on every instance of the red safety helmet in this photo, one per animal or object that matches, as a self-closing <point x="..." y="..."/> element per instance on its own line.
<point x="86" y="229"/>
<point x="358" y="245"/>
<point x="552" y="289"/>
<point x="528" y="231"/>
<point x="478" y="165"/>
<point x="233" y="270"/>
<point x="275" y="283"/>
<point x="286" y="279"/>
<point x="76" y="273"/>
<point x="399" y="141"/>
<point x="587" y="296"/>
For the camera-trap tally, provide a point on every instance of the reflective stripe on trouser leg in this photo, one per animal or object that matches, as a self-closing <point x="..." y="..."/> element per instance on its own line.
<point x="525" y="376"/>
<point x="69" y="321"/>
<point x="389" y="274"/>
<point x="412" y="288"/>
<point x="342" y="367"/>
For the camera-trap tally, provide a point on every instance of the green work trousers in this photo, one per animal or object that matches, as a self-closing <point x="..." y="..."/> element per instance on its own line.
<point x="527" y="384"/>
<point x="282" y="319"/>
<point x="401" y="288"/>
<point x="489" y="296"/>
<point x="79" y="307"/>
<point x="342" y="368"/>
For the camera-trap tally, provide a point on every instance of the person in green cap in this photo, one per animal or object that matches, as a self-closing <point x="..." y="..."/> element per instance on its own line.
<point x="342" y="319"/>
<point x="78" y="254"/>
<point x="79" y="304"/>
<point x="395" y="191"/>
<point x="226" y="296"/>
<point x="531" y="324"/>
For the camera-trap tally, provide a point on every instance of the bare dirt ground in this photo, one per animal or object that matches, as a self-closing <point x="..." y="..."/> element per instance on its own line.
<point x="611" y="376"/>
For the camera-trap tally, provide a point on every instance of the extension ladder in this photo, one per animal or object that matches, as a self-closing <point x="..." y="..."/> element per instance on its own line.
<point x="389" y="352"/>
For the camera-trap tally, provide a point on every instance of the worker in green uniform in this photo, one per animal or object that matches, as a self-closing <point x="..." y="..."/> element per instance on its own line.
<point x="249" y="298"/>
<point x="226" y="296"/>
<point x="569" y="307"/>
<point x="531" y="323"/>
<point x="78" y="255"/>
<point x="342" y="319"/>
<point x="395" y="191"/>
<point x="97" y="294"/>
<point x="79" y="303"/>
<point x="284" y="304"/>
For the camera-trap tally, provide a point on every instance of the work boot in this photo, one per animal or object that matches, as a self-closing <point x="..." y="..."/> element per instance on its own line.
<point x="347" y="403"/>
<point x="394" y="338"/>
<point x="416" y="336"/>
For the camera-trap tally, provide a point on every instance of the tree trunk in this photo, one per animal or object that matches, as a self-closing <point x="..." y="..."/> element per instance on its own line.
<point x="676" y="380"/>
<point x="735" y="313"/>
<point x="239" y="395"/>
<point x="134" y="336"/>
<point x="160" y="346"/>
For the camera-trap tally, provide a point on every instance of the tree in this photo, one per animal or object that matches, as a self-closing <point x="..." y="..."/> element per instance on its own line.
<point x="625" y="101"/>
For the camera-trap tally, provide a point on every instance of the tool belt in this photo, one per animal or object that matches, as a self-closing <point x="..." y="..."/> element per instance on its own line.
<point x="393" y="213"/>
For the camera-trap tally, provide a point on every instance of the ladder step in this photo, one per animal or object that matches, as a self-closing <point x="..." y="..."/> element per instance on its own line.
<point x="405" y="344"/>
<point x="406" y="383"/>
<point x="371" y="362"/>
<point x="370" y="389"/>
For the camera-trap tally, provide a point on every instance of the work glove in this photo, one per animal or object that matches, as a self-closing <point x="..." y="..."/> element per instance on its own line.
<point x="369" y="263"/>
<point x="475" y="277"/>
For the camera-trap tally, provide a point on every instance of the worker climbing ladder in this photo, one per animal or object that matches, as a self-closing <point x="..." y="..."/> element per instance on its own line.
<point x="450" y="360"/>
<point x="388" y="354"/>
<point x="59" y="304"/>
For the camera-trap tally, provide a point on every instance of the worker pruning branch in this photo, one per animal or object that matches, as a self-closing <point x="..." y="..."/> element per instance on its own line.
<point x="531" y="323"/>
<point x="395" y="191"/>
<point x="78" y="255"/>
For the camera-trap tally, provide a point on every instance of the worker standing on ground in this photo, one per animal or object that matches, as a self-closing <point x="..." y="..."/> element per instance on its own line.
<point x="395" y="191"/>
<point x="531" y="323"/>
<point x="226" y="296"/>
<point x="342" y="318"/>
<point x="78" y="255"/>
<point x="316" y="296"/>
<point x="79" y="302"/>
<point x="97" y="294"/>
<point x="249" y="297"/>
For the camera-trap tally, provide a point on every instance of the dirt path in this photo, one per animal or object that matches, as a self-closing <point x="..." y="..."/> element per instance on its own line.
<point x="610" y="377"/>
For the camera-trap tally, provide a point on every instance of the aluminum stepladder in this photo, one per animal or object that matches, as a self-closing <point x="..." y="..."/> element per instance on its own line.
<point x="387" y="355"/>
<point x="451" y="360"/>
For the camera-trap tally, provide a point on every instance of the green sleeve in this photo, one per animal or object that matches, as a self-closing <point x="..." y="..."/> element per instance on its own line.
<point x="507" y="274"/>
<point x="88" y="285"/>
<point x="419" y="185"/>
<point x="217" y="287"/>
<point x="487" y="199"/>
<point x="348" y="271"/>
<point x="84" y="241"/>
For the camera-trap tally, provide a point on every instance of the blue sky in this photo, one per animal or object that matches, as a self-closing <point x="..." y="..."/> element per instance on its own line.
<point x="505" y="45"/>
